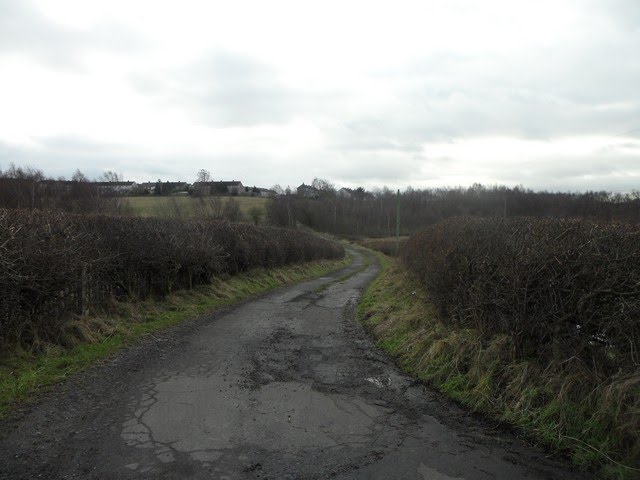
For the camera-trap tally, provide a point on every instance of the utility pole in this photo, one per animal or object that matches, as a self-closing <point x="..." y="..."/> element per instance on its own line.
<point x="398" y="222"/>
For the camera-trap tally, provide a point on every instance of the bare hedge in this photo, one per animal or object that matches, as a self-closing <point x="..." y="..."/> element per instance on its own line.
<point x="55" y="265"/>
<point x="561" y="289"/>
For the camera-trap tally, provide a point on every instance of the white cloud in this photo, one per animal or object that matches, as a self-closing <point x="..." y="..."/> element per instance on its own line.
<point x="415" y="92"/>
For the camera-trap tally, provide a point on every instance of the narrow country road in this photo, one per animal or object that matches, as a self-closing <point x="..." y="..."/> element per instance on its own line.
<point x="286" y="386"/>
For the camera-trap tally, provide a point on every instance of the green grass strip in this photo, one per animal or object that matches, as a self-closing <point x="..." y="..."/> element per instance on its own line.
<point x="25" y="374"/>
<point x="565" y="407"/>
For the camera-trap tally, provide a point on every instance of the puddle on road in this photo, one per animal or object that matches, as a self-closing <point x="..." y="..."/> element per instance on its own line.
<point x="380" y="383"/>
<point x="203" y="417"/>
<point x="429" y="473"/>
<point x="392" y="380"/>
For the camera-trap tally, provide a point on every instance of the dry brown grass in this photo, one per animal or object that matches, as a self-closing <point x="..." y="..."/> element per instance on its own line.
<point x="565" y="405"/>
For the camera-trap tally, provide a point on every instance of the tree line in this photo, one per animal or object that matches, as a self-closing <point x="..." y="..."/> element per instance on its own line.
<point x="29" y="188"/>
<point x="374" y="213"/>
<point x="348" y="212"/>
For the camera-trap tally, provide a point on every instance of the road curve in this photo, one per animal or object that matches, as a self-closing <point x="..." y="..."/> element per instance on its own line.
<point x="286" y="386"/>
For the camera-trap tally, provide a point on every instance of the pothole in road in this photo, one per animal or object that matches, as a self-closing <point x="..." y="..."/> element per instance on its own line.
<point x="380" y="383"/>
<point x="201" y="416"/>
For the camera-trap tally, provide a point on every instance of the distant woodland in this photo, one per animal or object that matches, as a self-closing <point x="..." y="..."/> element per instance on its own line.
<point x="356" y="212"/>
<point x="374" y="214"/>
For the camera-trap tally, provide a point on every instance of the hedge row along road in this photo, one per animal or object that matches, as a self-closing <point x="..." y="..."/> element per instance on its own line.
<point x="285" y="386"/>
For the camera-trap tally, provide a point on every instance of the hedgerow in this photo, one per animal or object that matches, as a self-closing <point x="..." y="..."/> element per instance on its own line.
<point x="54" y="265"/>
<point x="562" y="290"/>
<point x="564" y="403"/>
<point x="536" y="321"/>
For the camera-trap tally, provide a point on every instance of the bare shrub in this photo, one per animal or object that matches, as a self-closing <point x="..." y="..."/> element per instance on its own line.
<point x="256" y="213"/>
<point x="231" y="210"/>
<point x="55" y="265"/>
<point x="561" y="289"/>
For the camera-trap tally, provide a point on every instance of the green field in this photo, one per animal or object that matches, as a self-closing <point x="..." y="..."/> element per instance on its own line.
<point x="187" y="206"/>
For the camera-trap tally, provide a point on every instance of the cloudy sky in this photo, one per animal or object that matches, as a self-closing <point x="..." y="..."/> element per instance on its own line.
<point x="423" y="93"/>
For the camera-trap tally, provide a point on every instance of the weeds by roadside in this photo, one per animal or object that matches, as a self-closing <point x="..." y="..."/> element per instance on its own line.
<point x="24" y="374"/>
<point x="561" y="405"/>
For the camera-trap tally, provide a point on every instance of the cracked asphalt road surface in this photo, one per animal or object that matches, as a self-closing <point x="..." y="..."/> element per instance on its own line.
<point x="287" y="386"/>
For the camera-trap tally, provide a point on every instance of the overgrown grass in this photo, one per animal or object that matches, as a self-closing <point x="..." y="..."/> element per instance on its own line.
<point x="562" y="406"/>
<point x="24" y="374"/>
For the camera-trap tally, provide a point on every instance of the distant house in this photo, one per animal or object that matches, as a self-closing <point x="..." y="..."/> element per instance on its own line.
<point x="115" y="188"/>
<point x="345" y="192"/>
<point x="232" y="187"/>
<point x="169" y="188"/>
<point x="218" y="188"/>
<point x="161" y="188"/>
<point x="62" y="187"/>
<point x="252" y="192"/>
<point x="266" y="192"/>
<point x="145" y="188"/>
<point x="307" y="191"/>
<point x="202" y="189"/>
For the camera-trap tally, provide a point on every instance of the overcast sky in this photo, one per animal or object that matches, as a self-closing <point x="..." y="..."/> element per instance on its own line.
<point x="423" y="93"/>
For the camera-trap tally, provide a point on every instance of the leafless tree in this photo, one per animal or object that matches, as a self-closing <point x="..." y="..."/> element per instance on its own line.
<point x="203" y="175"/>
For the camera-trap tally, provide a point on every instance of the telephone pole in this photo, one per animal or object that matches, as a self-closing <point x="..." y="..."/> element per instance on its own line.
<point x="398" y="222"/>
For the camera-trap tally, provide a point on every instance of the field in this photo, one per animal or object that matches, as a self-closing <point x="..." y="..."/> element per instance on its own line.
<point x="187" y="206"/>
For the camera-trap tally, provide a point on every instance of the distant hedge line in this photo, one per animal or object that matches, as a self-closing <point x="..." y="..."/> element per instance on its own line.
<point x="54" y="265"/>
<point x="561" y="289"/>
<point x="386" y="245"/>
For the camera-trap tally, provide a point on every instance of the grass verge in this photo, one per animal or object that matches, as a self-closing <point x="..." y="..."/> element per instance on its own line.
<point x="564" y="407"/>
<point x="24" y="374"/>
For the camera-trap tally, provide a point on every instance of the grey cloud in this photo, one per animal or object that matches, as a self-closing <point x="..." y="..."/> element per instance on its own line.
<point x="62" y="155"/>
<point x="588" y="87"/>
<point x="224" y="89"/>
<point x="77" y="145"/>
<point x="235" y="90"/>
<point x="614" y="183"/>
<point x="379" y="168"/>
<point x="596" y="72"/>
<point x="625" y="13"/>
<point x="23" y="29"/>
<point x="51" y="163"/>
<point x="481" y="113"/>
<point x="376" y="145"/>
<point x="614" y="172"/>
<point x="541" y="94"/>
